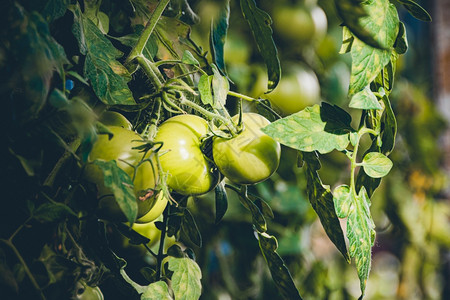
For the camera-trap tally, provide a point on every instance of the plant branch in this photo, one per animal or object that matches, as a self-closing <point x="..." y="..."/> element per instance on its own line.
<point x="161" y="255"/>
<point x="151" y="24"/>
<point x="25" y="266"/>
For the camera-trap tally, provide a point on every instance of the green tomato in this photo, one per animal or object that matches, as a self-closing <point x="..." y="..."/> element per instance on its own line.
<point x="120" y="149"/>
<point x="150" y="231"/>
<point x="189" y="171"/>
<point x="112" y="118"/>
<point x="236" y="50"/>
<point x="156" y="209"/>
<point x="251" y="156"/>
<point x="297" y="89"/>
<point x="300" y="24"/>
<point x="86" y="292"/>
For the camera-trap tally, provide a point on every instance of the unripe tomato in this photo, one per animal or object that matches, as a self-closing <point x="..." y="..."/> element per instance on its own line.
<point x="112" y="118"/>
<point x="86" y="292"/>
<point x="300" y="24"/>
<point x="149" y="230"/>
<point x="189" y="172"/>
<point x="236" y="50"/>
<point x="251" y="156"/>
<point x="297" y="89"/>
<point x="156" y="209"/>
<point x="119" y="148"/>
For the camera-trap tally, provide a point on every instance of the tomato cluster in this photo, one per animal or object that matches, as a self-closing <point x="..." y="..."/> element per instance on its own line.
<point x="247" y="156"/>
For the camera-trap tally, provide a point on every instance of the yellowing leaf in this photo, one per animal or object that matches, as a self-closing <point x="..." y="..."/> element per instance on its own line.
<point x="186" y="277"/>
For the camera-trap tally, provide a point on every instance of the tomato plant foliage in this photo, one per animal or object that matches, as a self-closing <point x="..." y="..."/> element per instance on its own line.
<point x="70" y="62"/>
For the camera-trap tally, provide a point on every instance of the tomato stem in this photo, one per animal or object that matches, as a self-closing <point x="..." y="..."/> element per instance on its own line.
<point x="160" y="256"/>
<point x="241" y="96"/>
<point x="148" y="30"/>
<point x="25" y="266"/>
<point x="149" y="70"/>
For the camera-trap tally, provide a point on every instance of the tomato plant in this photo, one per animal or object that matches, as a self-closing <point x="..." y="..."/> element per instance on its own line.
<point x="189" y="171"/>
<point x="203" y="190"/>
<point x="251" y="156"/>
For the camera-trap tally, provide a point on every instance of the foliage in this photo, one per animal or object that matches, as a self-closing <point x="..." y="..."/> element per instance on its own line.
<point x="69" y="62"/>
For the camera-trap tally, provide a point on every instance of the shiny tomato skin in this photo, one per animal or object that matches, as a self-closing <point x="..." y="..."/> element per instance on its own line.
<point x="119" y="148"/>
<point x="297" y="89"/>
<point x="251" y="156"/>
<point x="112" y="118"/>
<point x="156" y="209"/>
<point x="189" y="171"/>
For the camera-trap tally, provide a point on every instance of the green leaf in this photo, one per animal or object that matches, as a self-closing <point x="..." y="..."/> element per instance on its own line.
<point x="401" y="42"/>
<point x="375" y="23"/>
<point x="107" y="76"/>
<point x="51" y="212"/>
<point x="385" y="79"/>
<point x="365" y="99"/>
<point x="362" y="179"/>
<point x="130" y="40"/>
<point x="260" y="22"/>
<point x="351" y="13"/>
<point x="382" y="21"/>
<point x="389" y="127"/>
<point x="92" y="12"/>
<point x="220" y="86"/>
<point x="347" y="40"/>
<point x="221" y="201"/>
<point x="316" y="128"/>
<point x="416" y="10"/>
<point x="204" y="87"/>
<point x="376" y="164"/>
<point x="343" y="201"/>
<point x="218" y="35"/>
<point x="180" y="9"/>
<point x="367" y="61"/>
<point x="157" y="291"/>
<point x="30" y="56"/>
<point x="322" y="202"/>
<point x="280" y="273"/>
<point x="258" y="219"/>
<point x="55" y="9"/>
<point x="186" y="277"/>
<point x="173" y="38"/>
<point x="263" y="206"/>
<point x="361" y="236"/>
<point x="189" y="59"/>
<point x="189" y="227"/>
<point x="118" y="181"/>
<point x="134" y="237"/>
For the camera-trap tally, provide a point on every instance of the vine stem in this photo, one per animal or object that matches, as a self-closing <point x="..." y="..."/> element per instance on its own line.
<point x="160" y="255"/>
<point x="148" y="68"/>
<point x="210" y="115"/>
<point x="24" y="264"/>
<point x="57" y="168"/>
<point x="241" y="96"/>
<point x="353" y="165"/>
<point x="354" y="156"/>
<point x="151" y="24"/>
